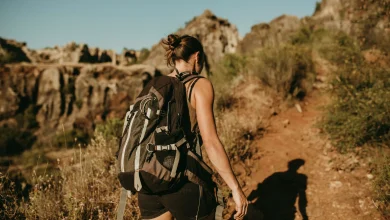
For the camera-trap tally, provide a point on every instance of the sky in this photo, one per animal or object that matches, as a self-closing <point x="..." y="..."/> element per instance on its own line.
<point x="134" y="24"/>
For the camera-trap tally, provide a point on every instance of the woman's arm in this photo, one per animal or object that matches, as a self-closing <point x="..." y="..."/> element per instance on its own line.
<point x="203" y="98"/>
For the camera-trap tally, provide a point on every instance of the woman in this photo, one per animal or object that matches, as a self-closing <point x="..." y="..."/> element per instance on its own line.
<point x="186" y="54"/>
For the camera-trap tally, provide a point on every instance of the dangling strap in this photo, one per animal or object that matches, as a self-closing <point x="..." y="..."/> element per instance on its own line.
<point x="220" y="207"/>
<point x="122" y="203"/>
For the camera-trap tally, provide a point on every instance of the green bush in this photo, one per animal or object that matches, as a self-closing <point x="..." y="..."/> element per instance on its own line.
<point x="14" y="141"/>
<point x="318" y="7"/>
<point x="335" y="46"/>
<point x="111" y="128"/>
<point x="70" y="138"/>
<point x="287" y="69"/>
<point x="144" y="54"/>
<point x="6" y="57"/>
<point x="360" y="113"/>
<point x="231" y="66"/>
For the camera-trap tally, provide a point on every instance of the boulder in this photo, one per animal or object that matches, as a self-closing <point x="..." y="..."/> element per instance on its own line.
<point x="268" y="34"/>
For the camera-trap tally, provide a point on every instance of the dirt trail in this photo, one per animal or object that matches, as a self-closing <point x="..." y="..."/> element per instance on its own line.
<point x="336" y="186"/>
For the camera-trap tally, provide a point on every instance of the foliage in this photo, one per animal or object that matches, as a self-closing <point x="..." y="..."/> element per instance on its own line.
<point x="11" y="193"/>
<point x="229" y="68"/>
<point x="6" y="57"/>
<point x="14" y="141"/>
<point x="143" y="55"/>
<point x="359" y="115"/>
<point x="287" y="69"/>
<point x="70" y="138"/>
<point x="361" y="111"/>
<point x="110" y="129"/>
<point x="236" y="132"/>
<point x="318" y="7"/>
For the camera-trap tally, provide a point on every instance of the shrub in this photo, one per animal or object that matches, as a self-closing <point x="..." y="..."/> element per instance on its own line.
<point x="11" y="194"/>
<point x="360" y="114"/>
<point x="6" y="57"/>
<point x="70" y="138"/>
<point x="144" y="54"/>
<point x="236" y="132"/>
<point x="14" y="141"/>
<point x="231" y="66"/>
<point x="318" y="7"/>
<point x="287" y="69"/>
<point x="110" y="129"/>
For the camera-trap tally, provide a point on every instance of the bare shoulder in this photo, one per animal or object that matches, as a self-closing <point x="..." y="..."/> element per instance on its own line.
<point x="205" y="85"/>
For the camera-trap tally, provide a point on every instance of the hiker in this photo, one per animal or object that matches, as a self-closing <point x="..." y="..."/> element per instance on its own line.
<point x="186" y="54"/>
<point x="160" y="153"/>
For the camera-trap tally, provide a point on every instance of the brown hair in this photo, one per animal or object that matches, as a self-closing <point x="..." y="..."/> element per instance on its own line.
<point x="181" y="47"/>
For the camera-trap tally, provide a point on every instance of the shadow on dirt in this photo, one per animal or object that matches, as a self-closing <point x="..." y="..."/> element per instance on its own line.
<point x="275" y="197"/>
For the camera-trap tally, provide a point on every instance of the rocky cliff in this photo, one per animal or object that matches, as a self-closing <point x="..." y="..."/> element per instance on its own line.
<point x="63" y="97"/>
<point x="368" y="21"/>
<point x="217" y="35"/>
<point x="267" y="34"/>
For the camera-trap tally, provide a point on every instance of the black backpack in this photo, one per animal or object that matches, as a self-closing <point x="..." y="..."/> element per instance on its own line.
<point x="155" y="150"/>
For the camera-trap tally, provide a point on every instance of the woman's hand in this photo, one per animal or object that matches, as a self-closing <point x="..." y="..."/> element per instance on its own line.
<point x="241" y="203"/>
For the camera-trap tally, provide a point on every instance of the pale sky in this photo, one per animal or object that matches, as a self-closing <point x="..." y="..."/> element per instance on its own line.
<point x="134" y="24"/>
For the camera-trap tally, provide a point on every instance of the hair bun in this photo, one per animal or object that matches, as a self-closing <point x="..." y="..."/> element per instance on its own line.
<point x="173" y="41"/>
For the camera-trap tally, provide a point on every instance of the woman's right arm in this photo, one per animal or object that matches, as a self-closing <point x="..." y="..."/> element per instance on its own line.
<point x="203" y="98"/>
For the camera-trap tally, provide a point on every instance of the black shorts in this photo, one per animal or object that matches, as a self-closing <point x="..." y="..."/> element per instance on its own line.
<point x="190" y="201"/>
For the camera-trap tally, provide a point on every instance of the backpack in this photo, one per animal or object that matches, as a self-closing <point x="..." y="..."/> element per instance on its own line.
<point x="157" y="150"/>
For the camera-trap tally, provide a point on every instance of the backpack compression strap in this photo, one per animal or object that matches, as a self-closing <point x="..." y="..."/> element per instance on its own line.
<point x="122" y="203"/>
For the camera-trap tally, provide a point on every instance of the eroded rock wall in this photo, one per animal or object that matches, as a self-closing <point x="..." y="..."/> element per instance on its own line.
<point x="63" y="96"/>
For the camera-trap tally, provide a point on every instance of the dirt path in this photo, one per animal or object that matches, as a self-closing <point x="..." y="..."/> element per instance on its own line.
<point x="336" y="186"/>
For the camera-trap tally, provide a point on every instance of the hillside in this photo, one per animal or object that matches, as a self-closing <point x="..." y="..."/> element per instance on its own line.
<point x="302" y="107"/>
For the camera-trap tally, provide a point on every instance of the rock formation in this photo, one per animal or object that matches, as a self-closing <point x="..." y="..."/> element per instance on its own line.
<point x="12" y="51"/>
<point x="72" y="53"/>
<point x="217" y="35"/>
<point x="369" y="21"/>
<point x="65" y="95"/>
<point x="278" y="30"/>
<point x="128" y="57"/>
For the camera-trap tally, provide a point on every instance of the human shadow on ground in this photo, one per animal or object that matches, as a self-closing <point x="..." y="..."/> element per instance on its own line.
<point x="275" y="197"/>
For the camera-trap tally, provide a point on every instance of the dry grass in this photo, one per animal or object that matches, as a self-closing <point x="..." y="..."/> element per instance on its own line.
<point x="242" y="121"/>
<point x="86" y="186"/>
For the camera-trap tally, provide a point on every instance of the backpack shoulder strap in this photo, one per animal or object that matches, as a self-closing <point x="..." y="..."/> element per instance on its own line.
<point x="191" y="86"/>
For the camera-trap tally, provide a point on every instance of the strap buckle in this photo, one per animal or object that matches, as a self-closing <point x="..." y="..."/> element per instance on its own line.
<point x="147" y="148"/>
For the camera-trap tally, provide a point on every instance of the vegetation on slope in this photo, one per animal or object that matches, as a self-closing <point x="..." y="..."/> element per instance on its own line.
<point x="84" y="185"/>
